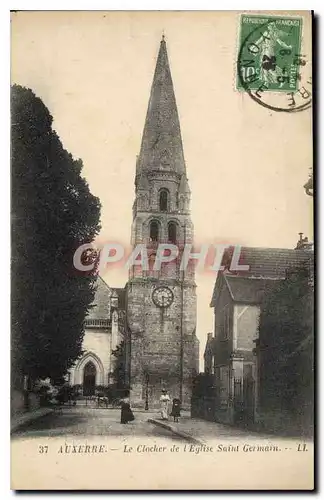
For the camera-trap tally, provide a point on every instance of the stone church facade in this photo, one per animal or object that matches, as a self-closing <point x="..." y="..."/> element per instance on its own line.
<point x="157" y="306"/>
<point x="104" y="331"/>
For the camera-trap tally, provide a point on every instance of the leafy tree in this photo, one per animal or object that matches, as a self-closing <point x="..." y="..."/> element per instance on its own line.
<point x="286" y="341"/>
<point x="53" y="213"/>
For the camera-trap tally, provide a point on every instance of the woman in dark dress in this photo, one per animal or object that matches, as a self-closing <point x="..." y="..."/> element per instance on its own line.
<point x="126" y="412"/>
<point x="176" y="408"/>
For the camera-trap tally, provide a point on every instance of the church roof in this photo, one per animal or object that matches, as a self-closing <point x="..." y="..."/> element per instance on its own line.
<point x="161" y="146"/>
<point x="100" y="307"/>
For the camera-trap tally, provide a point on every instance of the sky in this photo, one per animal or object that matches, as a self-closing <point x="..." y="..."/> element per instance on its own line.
<point x="246" y="164"/>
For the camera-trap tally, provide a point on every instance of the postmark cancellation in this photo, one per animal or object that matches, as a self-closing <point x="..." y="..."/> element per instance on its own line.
<point x="273" y="65"/>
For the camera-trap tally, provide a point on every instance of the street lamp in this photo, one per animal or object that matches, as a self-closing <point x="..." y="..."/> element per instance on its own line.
<point x="146" y="391"/>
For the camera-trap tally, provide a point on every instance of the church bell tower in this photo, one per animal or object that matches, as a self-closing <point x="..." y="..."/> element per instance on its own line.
<point x="161" y="301"/>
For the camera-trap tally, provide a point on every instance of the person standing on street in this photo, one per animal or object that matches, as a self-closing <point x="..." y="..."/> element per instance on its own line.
<point x="176" y="408"/>
<point x="165" y="401"/>
<point x="126" y="412"/>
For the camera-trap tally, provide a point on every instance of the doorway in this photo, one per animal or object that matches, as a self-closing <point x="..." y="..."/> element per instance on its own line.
<point x="89" y="379"/>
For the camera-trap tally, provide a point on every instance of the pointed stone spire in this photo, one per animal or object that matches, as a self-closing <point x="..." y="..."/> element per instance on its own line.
<point x="161" y="147"/>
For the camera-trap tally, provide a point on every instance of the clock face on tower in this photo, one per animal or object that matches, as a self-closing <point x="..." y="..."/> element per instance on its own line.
<point x="162" y="296"/>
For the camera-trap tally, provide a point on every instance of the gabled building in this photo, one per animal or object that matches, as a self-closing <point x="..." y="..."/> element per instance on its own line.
<point x="230" y="352"/>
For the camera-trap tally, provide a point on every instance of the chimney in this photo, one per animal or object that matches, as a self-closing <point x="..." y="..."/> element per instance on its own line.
<point x="303" y="243"/>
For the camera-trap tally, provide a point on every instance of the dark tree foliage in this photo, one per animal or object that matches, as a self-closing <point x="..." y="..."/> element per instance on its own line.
<point x="286" y="341"/>
<point x="53" y="212"/>
<point x="119" y="373"/>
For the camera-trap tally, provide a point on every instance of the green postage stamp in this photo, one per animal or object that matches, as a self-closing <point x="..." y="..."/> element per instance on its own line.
<point x="269" y="53"/>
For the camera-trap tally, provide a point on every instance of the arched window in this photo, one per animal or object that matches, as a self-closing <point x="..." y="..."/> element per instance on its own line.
<point x="89" y="379"/>
<point x="154" y="230"/>
<point x="172" y="232"/>
<point x="164" y="200"/>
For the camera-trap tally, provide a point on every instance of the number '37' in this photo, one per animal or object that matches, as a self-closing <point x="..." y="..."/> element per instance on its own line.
<point x="42" y="449"/>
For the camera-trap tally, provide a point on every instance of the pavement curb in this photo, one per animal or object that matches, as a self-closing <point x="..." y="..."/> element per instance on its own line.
<point x="172" y="429"/>
<point x="26" y="418"/>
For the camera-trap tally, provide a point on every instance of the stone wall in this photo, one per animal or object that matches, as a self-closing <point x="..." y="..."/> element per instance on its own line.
<point x="246" y="321"/>
<point x="97" y="347"/>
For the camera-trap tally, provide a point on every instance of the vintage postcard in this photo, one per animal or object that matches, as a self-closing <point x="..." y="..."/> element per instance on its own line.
<point x="162" y="250"/>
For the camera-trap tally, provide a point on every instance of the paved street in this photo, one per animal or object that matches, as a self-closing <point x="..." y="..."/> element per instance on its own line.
<point x="78" y="448"/>
<point x="209" y="432"/>
<point x="92" y="422"/>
